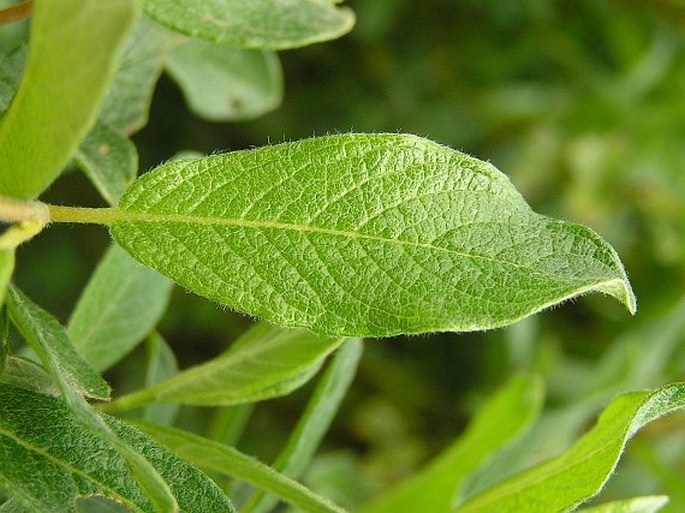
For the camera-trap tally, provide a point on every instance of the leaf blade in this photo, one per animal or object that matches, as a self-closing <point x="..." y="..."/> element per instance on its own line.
<point x="368" y="235"/>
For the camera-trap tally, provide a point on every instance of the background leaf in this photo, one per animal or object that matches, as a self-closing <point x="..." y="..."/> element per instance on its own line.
<point x="226" y="84"/>
<point x="161" y="366"/>
<point x="361" y="235"/>
<point x="11" y="66"/>
<point x="255" y="24"/>
<point x="265" y="362"/>
<point x="636" y="505"/>
<point x="43" y="125"/>
<point x="38" y="437"/>
<point x="580" y="472"/>
<point x="119" y="307"/>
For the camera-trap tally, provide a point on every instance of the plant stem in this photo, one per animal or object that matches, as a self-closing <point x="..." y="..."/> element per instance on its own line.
<point x="60" y="214"/>
<point x="14" y="210"/>
<point x="16" y="12"/>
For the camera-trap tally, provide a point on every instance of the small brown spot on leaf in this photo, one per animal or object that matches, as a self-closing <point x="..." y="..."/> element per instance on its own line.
<point x="104" y="149"/>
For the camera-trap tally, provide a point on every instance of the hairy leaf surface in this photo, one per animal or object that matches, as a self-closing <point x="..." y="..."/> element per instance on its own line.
<point x="270" y="24"/>
<point x="564" y="482"/>
<point x="61" y="89"/>
<point x="648" y="504"/>
<point x="226" y="84"/>
<point x="361" y="235"/>
<point x="49" y="460"/>
<point x="119" y="307"/>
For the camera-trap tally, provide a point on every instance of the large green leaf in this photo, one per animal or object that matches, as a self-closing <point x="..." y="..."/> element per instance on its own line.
<point x="360" y="235"/>
<point x="314" y="422"/>
<point x="271" y="24"/>
<point x="48" y="460"/>
<point x="579" y="473"/>
<point x="73" y="51"/>
<point x="208" y="454"/>
<point x="649" y="504"/>
<point x="120" y="306"/>
<point x="436" y="488"/>
<point x="265" y="362"/>
<point x="226" y="84"/>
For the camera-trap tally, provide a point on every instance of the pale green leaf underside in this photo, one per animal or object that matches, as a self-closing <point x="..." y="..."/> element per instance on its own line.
<point x="61" y="89"/>
<point x="435" y="488"/>
<point x="361" y="235"/>
<point x="579" y="473"/>
<point x="226" y="84"/>
<point x="265" y="362"/>
<point x="119" y="307"/>
<point x="39" y="438"/>
<point x="649" y="504"/>
<point x="268" y="24"/>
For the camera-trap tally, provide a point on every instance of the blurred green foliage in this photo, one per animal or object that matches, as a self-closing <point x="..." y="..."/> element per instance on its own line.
<point x="582" y="104"/>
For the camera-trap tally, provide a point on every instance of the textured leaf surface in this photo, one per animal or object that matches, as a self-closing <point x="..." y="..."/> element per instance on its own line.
<point x="127" y="106"/>
<point x="579" y="473"/>
<point x="61" y="89"/>
<point x="226" y="84"/>
<point x="650" y="504"/>
<point x="119" y="307"/>
<point x="38" y="437"/>
<point x="218" y="457"/>
<point x="109" y="160"/>
<point x="271" y="24"/>
<point x="361" y="235"/>
<point x="314" y="422"/>
<point x="436" y="488"/>
<point x="265" y="362"/>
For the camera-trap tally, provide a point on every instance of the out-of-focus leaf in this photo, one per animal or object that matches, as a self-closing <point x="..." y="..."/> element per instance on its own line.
<point x="580" y="472"/>
<point x="161" y="366"/>
<point x="38" y="437"/>
<point x="127" y="105"/>
<point x="119" y="307"/>
<point x="650" y="504"/>
<point x="221" y="83"/>
<point x="360" y="235"/>
<point x="208" y="454"/>
<point x="314" y="422"/>
<point x="436" y="488"/>
<point x="11" y="66"/>
<point x="61" y="90"/>
<point x="265" y="362"/>
<point x="270" y="24"/>
<point x="109" y="160"/>
<point x="6" y="269"/>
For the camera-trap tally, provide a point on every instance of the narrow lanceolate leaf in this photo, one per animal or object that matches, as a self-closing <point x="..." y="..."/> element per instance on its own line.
<point x="38" y="437"/>
<point x="109" y="160"/>
<point x="211" y="455"/>
<point x="650" y="504"/>
<point x="161" y="366"/>
<point x="50" y="341"/>
<point x="6" y="270"/>
<point x="270" y="24"/>
<point x="265" y="362"/>
<point x="436" y="488"/>
<point x="61" y="89"/>
<point x="120" y="306"/>
<point x="579" y="473"/>
<point x="226" y="84"/>
<point x="361" y="235"/>
<point x="314" y="422"/>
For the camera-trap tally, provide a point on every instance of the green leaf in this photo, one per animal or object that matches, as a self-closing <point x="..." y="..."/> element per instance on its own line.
<point x="50" y="341"/>
<point x="127" y="105"/>
<point x="650" y="504"/>
<point x="109" y="160"/>
<point x="265" y="362"/>
<point x="437" y="487"/>
<point x="49" y="460"/>
<point x="161" y="366"/>
<point x="24" y="373"/>
<point x="361" y="235"/>
<point x="11" y="67"/>
<point x="221" y="458"/>
<point x="119" y="307"/>
<point x="562" y="483"/>
<point x="61" y="90"/>
<point x="226" y="84"/>
<point x="6" y="270"/>
<point x="314" y="422"/>
<point x="73" y="378"/>
<point x="269" y="24"/>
